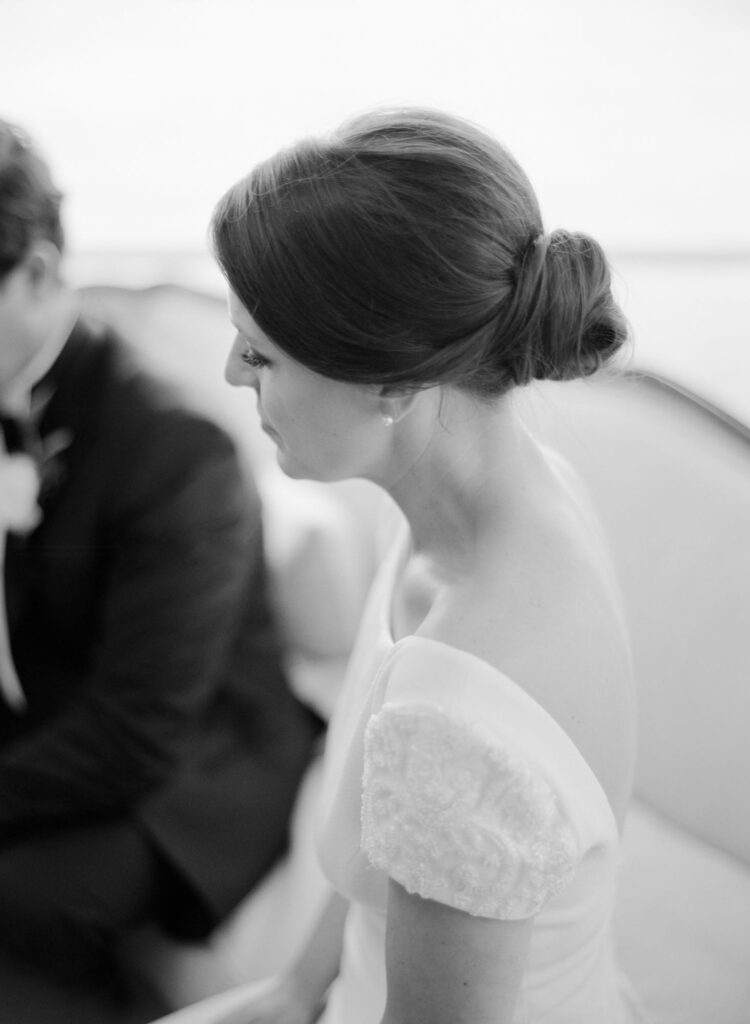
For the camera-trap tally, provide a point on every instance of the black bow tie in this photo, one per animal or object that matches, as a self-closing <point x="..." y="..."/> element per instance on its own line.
<point x="21" y="435"/>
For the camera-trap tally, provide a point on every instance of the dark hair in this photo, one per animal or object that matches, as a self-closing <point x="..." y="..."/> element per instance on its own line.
<point x="407" y="249"/>
<point x="29" y="201"/>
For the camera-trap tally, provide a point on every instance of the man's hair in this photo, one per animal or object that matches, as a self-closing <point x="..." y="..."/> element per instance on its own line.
<point x="29" y="200"/>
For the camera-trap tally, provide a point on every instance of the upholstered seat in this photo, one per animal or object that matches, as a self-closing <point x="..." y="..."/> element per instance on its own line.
<point x="671" y="479"/>
<point x="682" y="920"/>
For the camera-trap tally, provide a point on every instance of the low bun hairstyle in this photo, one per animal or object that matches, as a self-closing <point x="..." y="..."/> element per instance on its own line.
<point x="407" y="250"/>
<point x="561" y="320"/>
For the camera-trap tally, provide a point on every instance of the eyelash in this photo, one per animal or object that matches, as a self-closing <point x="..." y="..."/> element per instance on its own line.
<point x="253" y="360"/>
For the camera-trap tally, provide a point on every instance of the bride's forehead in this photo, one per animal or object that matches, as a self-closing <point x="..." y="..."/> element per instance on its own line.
<point x="238" y="313"/>
<point x="244" y="321"/>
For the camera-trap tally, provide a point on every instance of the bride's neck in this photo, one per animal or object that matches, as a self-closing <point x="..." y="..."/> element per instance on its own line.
<point x="478" y="466"/>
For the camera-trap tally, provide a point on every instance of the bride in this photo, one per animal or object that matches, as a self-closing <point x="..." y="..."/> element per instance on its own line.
<point x="391" y="286"/>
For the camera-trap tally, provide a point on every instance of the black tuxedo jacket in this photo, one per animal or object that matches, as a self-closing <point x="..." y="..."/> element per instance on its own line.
<point x="141" y="634"/>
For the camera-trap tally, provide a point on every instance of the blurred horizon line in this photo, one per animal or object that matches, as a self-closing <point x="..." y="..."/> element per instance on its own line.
<point x="629" y="252"/>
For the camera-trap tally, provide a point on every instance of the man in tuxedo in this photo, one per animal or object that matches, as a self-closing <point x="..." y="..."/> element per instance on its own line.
<point x="150" y="749"/>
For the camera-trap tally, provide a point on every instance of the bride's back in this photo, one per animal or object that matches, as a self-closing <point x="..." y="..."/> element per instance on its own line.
<point x="539" y="602"/>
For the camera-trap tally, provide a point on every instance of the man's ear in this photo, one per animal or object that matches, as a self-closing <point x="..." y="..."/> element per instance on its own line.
<point x="42" y="266"/>
<point x="395" y="404"/>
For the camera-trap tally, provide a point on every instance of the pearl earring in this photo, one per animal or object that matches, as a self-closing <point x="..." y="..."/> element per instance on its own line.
<point x="387" y="420"/>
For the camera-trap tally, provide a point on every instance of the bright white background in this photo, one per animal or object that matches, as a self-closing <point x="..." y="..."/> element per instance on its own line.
<point x="631" y="117"/>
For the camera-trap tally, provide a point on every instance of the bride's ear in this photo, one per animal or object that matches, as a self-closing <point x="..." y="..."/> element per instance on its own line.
<point x="394" y="405"/>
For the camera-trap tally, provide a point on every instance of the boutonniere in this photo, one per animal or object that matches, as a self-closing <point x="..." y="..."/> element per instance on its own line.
<point x="29" y="477"/>
<point x="19" y="493"/>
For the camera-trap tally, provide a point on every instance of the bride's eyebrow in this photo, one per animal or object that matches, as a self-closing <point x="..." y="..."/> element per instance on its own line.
<point x="242" y="334"/>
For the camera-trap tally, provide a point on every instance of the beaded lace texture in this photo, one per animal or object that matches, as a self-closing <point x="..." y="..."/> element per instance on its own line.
<point x="456" y="818"/>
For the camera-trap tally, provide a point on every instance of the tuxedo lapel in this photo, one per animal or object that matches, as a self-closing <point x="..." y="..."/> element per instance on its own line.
<point x="10" y="685"/>
<point x="54" y="395"/>
<point x="53" y="415"/>
<point x="56" y="405"/>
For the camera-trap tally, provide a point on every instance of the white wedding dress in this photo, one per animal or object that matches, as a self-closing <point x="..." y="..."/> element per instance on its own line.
<point x="445" y="775"/>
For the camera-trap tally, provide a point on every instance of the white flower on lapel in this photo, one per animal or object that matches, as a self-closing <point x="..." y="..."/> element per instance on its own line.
<point x="19" y="490"/>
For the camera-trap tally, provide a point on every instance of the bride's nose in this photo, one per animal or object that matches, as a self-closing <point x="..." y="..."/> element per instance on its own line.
<point x="237" y="371"/>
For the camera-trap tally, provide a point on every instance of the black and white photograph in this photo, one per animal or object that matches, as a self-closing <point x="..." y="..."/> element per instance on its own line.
<point x="374" y="512"/>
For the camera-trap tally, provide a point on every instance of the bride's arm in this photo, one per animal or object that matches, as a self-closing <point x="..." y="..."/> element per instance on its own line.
<point x="445" y="966"/>
<point x="318" y="964"/>
<point x="297" y="996"/>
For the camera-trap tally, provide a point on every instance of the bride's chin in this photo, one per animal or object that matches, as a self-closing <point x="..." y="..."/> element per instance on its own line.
<point x="297" y="470"/>
<point x="290" y="466"/>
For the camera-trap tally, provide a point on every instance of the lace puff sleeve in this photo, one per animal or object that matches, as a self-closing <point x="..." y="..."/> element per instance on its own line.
<point x="456" y="818"/>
